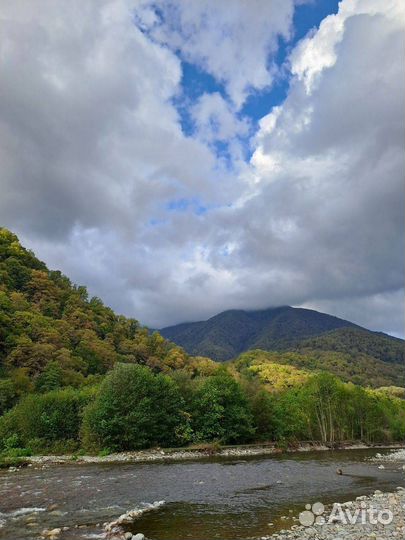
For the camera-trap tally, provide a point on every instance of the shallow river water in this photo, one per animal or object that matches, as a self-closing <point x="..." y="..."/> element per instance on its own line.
<point x="223" y="498"/>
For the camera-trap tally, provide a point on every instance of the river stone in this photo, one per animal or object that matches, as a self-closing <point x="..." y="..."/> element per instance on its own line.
<point x="138" y="536"/>
<point x="52" y="533"/>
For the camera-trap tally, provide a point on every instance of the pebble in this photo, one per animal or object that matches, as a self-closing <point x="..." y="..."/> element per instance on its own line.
<point x="395" y="502"/>
<point x="52" y="534"/>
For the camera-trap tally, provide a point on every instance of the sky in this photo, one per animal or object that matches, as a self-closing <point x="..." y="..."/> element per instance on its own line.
<point x="181" y="158"/>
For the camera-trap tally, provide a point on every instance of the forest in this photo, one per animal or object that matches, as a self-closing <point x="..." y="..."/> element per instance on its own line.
<point x="76" y="377"/>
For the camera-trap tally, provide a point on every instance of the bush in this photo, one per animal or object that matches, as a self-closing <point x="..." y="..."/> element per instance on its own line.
<point x="51" y="418"/>
<point x="134" y="409"/>
<point x="221" y="411"/>
<point x="8" y="395"/>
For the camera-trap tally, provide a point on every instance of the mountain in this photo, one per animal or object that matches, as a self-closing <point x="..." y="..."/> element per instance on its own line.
<point x="354" y="367"/>
<point x="74" y="374"/>
<point x="53" y="335"/>
<point x="358" y="341"/>
<point x="52" y="332"/>
<point x="228" y="334"/>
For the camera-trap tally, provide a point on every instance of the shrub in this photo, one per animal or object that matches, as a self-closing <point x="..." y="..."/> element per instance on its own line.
<point x="134" y="409"/>
<point x="51" y="418"/>
<point x="8" y="395"/>
<point x="221" y="411"/>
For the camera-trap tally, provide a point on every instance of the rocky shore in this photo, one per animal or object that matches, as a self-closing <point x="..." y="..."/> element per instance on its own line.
<point x="379" y="516"/>
<point x="398" y="456"/>
<point x="159" y="455"/>
<point x="115" y="530"/>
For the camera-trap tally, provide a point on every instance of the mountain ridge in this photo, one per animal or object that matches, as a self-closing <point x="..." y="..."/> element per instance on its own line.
<point x="230" y="333"/>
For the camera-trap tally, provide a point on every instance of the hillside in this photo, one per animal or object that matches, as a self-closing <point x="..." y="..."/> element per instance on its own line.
<point x="357" y="368"/>
<point x="52" y="334"/>
<point x="231" y="333"/>
<point x="75" y="376"/>
<point x="358" y="341"/>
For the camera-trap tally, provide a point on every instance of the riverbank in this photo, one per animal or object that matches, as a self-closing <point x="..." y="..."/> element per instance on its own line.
<point x="379" y="516"/>
<point x="195" y="453"/>
<point x="224" y="498"/>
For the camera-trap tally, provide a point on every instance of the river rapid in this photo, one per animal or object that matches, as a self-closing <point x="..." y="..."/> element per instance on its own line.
<point x="213" y="498"/>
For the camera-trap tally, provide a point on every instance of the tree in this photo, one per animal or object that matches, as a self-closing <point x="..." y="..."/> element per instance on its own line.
<point x="8" y="395"/>
<point x="54" y="416"/>
<point x="323" y="393"/>
<point x="33" y="356"/>
<point x="262" y="406"/>
<point x="221" y="411"/>
<point x="134" y="409"/>
<point x="97" y="353"/>
<point x="50" y="379"/>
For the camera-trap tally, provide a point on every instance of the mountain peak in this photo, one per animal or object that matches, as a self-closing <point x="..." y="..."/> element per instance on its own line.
<point x="229" y="333"/>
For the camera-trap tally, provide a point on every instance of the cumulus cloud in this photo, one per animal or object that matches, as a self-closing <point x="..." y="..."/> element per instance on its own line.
<point x="98" y="177"/>
<point x="231" y="40"/>
<point x="88" y="133"/>
<point x="215" y="119"/>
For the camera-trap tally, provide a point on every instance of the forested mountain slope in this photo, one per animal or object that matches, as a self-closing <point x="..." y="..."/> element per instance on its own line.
<point x="231" y="333"/>
<point x="357" y="368"/>
<point x="50" y="328"/>
<point x="76" y="376"/>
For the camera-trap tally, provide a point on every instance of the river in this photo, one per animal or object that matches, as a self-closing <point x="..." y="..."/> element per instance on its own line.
<point x="215" y="498"/>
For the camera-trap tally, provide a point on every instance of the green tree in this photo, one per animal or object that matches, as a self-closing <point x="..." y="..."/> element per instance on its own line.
<point x="221" y="411"/>
<point x="135" y="409"/>
<point x="8" y="395"/>
<point x="50" y="379"/>
<point x="51" y="417"/>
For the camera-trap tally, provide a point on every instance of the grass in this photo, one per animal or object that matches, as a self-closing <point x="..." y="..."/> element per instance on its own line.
<point x="9" y="461"/>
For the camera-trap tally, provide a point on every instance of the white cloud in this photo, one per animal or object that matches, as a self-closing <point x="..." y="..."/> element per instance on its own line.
<point x="318" y="51"/>
<point x="92" y="152"/>
<point x="88" y="132"/>
<point x="231" y="40"/>
<point x="215" y="119"/>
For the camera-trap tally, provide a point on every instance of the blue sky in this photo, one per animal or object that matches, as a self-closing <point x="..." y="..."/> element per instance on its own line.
<point x="195" y="81"/>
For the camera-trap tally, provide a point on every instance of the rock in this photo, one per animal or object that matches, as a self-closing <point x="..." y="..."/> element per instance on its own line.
<point x="138" y="536"/>
<point x="51" y="533"/>
<point x="52" y="507"/>
<point x="128" y="536"/>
